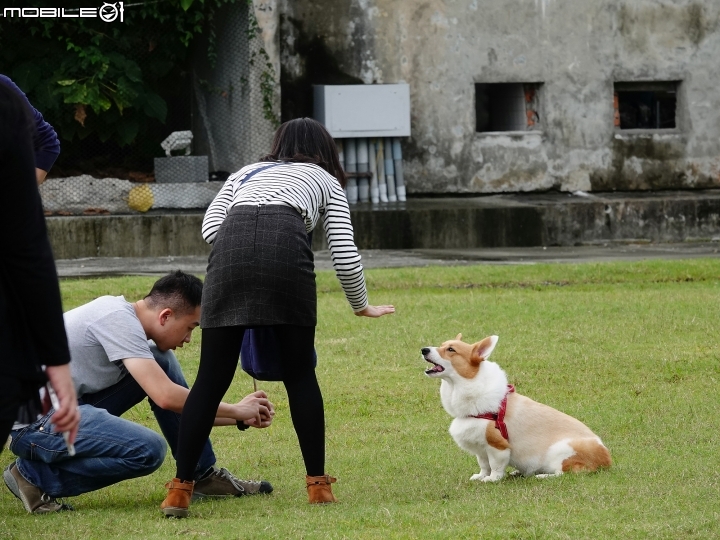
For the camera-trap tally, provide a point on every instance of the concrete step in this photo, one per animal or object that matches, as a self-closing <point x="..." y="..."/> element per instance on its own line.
<point x="393" y="258"/>
<point x="515" y="220"/>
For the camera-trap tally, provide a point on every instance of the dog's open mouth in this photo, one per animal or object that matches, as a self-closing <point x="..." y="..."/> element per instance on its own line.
<point x="437" y="368"/>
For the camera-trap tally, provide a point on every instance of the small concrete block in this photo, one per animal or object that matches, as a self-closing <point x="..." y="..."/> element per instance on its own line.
<point x="181" y="169"/>
<point x="184" y="195"/>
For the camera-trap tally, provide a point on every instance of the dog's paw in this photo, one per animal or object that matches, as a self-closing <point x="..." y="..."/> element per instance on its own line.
<point x="479" y="476"/>
<point x="515" y="473"/>
<point x="492" y="478"/>
<point x="541" y="476"/>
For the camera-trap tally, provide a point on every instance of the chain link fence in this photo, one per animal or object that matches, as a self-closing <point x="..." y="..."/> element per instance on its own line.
<point x="219" y="118"/>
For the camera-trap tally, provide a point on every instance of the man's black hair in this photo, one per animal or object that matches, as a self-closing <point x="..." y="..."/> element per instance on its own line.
<point x="178" y="291"/>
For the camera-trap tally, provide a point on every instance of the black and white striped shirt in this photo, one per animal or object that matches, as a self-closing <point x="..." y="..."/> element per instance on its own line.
<point x="314" y="193"/>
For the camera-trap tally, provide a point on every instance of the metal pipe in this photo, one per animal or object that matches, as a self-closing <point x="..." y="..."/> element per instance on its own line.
<point x="341" y="158"/>
<point x="351" y="167"/>
<point x="399" y="180"/>
<point x="372" y="163"/>
<point x="380" y="161"/>
<point x="341" y="154"/>
<point x="362" y="167"/>
<point x="390" y="171"/>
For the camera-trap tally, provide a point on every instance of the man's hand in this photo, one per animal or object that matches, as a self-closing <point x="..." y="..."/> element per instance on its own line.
<point x="67" y="417"/>
<point x="255" y="410"/>
<point x="375" y="311"/>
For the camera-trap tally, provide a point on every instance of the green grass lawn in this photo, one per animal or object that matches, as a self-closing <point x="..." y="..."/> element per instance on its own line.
<point x="631" y="349"/>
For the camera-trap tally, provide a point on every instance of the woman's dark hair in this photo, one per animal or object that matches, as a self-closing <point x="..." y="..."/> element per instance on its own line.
<point x="305" y="140"/>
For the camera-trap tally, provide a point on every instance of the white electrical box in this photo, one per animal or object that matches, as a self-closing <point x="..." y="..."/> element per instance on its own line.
<point x="363" y="110"/>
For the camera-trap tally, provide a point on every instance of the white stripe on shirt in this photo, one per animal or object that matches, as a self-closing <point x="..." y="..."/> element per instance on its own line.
<point x="314" y="193"/>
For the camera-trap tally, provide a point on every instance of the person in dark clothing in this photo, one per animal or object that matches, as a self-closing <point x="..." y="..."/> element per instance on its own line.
<point x="32" y="333"/>
<point x="45" y="141"/>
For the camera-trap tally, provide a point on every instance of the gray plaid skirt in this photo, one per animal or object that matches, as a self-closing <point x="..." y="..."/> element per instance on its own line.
<point x="260" y="271"/>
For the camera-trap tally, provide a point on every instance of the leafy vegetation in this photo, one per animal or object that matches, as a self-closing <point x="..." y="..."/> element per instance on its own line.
<point x="111" y="80"/>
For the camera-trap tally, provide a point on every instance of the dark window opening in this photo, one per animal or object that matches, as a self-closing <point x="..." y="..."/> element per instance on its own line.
<point x="506" y="106"/>
<point x="645" y="105"/>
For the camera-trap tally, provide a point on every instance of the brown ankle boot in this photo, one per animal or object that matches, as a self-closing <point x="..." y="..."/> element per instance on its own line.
<point x="178" y="498"/>
<point x="319" y="489"/>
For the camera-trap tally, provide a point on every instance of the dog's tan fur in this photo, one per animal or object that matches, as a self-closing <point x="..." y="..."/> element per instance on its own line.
<point x="541" y="440"/>
<point x="495" y="438"/>
<point x="589" y="456"/>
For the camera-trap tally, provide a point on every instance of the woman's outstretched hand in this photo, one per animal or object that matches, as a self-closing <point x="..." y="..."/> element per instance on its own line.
<point x="375" y="311"/>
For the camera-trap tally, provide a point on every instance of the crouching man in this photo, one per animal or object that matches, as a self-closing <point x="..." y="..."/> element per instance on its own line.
<point x="121" y="353"/>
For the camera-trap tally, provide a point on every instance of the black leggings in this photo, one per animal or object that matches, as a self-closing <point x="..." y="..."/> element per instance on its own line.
<point x="218" y="361"/>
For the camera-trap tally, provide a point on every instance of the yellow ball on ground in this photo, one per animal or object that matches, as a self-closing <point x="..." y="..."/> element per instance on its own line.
<point x="141" y="198"/>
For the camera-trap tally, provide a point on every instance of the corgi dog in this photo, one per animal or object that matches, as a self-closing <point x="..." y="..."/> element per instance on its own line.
<point x="501" y="427"/>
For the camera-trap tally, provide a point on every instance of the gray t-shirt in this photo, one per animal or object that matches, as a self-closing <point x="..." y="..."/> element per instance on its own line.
<point x="102" y="334"/>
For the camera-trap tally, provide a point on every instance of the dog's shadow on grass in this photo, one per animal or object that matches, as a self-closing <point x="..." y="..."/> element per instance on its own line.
<point x="517" y="476"/>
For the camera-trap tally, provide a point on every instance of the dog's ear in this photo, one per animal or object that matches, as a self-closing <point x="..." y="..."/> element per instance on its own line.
<point x="458" y="337"/>
<point x="483" y="349"/>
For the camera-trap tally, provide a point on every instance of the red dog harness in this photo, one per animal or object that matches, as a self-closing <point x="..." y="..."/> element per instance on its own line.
<point x="499" y="416"/>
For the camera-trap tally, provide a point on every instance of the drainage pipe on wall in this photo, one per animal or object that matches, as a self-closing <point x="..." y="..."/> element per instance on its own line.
<point x="362" y="167"/>
<point x="399" y="180"/>
<point x="390" y="171"/>
<point x="351" y="167"/>
<point x="341" y="158"/>
<point x="341" y="154"/>
<point x="374" y="189"/>
<point x="380" y="161"/>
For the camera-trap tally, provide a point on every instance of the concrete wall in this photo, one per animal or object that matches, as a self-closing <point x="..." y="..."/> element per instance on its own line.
<point x="577" y="49"/>
<point x="160" y="235"/>
<point x="229" y="121"/>
<point x="518" y="220"/>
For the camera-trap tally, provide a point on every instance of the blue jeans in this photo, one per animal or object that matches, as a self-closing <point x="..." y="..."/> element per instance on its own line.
<point x="108" y="448"/>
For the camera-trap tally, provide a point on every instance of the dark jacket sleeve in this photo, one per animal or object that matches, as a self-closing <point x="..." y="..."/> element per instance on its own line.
<point x="45" y="141"/>
<point x="31" y="319"/>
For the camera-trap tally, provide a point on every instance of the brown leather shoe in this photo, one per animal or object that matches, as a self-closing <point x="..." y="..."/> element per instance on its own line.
<point x="178" y="498"/>
<point x="33" y="498"/>
<point x="319" y="489"/>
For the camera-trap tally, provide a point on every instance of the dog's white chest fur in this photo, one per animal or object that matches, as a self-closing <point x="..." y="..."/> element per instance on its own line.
<point x="467" y="397"/>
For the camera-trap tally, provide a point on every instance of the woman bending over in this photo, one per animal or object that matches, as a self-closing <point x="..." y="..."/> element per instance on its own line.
<point x="261" y="273"/>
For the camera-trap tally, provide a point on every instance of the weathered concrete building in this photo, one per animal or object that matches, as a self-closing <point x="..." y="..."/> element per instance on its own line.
<point x="525" y="95"/>
<point x="509" y="98"/>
